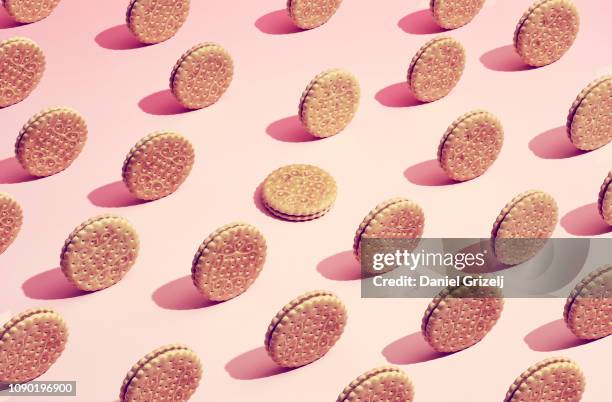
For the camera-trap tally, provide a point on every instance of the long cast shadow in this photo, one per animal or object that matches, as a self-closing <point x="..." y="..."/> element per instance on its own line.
<point x="504" y="58"/>
<point x="552" y="336"/>
<point x="50" y="285"/>
<point x="554" y="144"/>
<point x="428" y="173"/>
<point x="411" y="349"/>
<point x="340" y="267"/>
<point x="254" y="364"/>
<point x="420" y="23"/>
<point x="113" y="195"/>
<point x="585" y="221"/>
<point x="277" y="23"/>
<point x="118" y="37"/>
<point x="11" y="172"/>
<point x="397" y="95"/>
<point x="181" y="294"/>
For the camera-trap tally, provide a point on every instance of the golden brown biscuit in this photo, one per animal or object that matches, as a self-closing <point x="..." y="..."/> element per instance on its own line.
<point x="382" y="384"/>
<point x="589" y="121"/>
<point x="22" y="64"/>
<point x="299" y="192"/>
<point x="523" y="226"/>
<point x="470" y="145"/>
<point x="229" y="261"/>
<point x="26" y="11"/>
<point x="436" y="69"/>
<point x="157" y="165"/>
<point x="169" y="373"/>
<point x="11" y="219"/>
<point x="308" y="14"/>
<point x="546" y="31"/>
<point x="202" y="75"/>
<point x="460" y="317"/>
<point x="50" y="141"/>
<point x="451" y="14"/>
<point x="30" y="343"/>
<point x="588" y="309"/>
<point x="554" y="379"/>
<point x="305" y="329"/>
<point x="155" y="21"/>
<point x="329" y="103"/>
<point x="604" y="201"/>
<point x="99" y="252"/>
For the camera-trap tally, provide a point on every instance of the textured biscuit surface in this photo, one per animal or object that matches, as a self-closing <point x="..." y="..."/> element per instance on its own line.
<point x="169" y="373"/>
<point x="589" y="121"/>
<point x="26" y="11"/>
<point x="99" y="252"/>
<point x="470" y="145"/>
<point x="157" y="165"/>
<point x="382" y="384"/>
<point x="202" y="75"/>
<point x="604" y="201"/>
<point x="436" y="69"/>
<point x="546" y="31"/>
<point x="229" y="261"/>
<point x="30" y="343"/>
<point x="554" y="379"/>
<point x="308" y="14"/>
<point x="329" y="103"/>
<point x="22" y="64"/>
<point x="451" y="14"/>
<point x="461" y="317"/>
<point x="51" y="141"/>
<point x="305" y="329"/>
<point x="154" y="21"/>
<point x="11" y="219"/>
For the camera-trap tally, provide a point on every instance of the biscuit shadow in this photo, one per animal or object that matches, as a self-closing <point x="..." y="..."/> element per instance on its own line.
<point x="504" y="58"/>
<point x="585" y="221"/>
<point x="428" y="173"/>
<point x="50" y="285"/>
<point x="181" y="294"/>
<point x="397" y="95"/>
<point x="420" y="23"/>
<point x="411" y="349"/>
<point x="113" y="195"/>
<point x="258" y="201"/>
<point x="277" y="23"/>
<point x="340" y="267"/>
<point x="162" y="103"/>
<point x="118" y="37"/>
<point x="254" y="364"/>
<point x="289" y="129"/>
<point x="554" y="144"/>
<point x="553" y="336"/>
<point x="11" y="172"/>
<point x="6" y="21"/>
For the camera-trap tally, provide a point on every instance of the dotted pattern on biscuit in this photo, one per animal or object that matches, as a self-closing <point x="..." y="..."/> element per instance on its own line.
<point x="546" y="31"/>
<point x="436" y="69"/>
<point x="589" y="121"/>
<point x="155" y="21"/>
<point x="22" y="64"/>
<point x="470" y="145"/>
<point x="308" y="14"/>
<point x="329" y="103"/>
<point x="30" y="343"/>
<point x="604" y="201"/>
<point x="382" y="384"/>
<point x="27" y="11"/>
<point x="229" y="261"/>
<point x="451" y="14"/>
<point x="202" y="75"/>
<point x="99" y="252"/>
<point x="157" y="165"/>
<point x="50" y="141"/>
<point x="11" y="219"/>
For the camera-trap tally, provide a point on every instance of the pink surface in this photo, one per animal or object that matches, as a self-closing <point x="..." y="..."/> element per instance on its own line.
<point x="96" y="67"/>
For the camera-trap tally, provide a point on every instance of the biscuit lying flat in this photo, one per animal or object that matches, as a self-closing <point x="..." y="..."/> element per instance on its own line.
<point x="604" y="202"/>
<point x="155" y="21"/>
<point x="436" y="69"/>
<point x="305" y="329"/>
<point x="589" y="121"/>
<point x="99" y="252"/>
<point x="546" y="31"/>
<point x="169" y="373"/>
<point x="308" y="14"/>
<point x="451" y="14"/>
<point x="382" y="384"/>
<point x="11" y="219"/>
<point x="329" y="103"/>
<point x="470" y="145"/>
<point x="229" y="261"/>
<point x="22" y="64"/>
<point x="30" y="343"/>
<point x="554" y="379"/>
<point x="50" y="141"/>
<point x="26" y="11"/>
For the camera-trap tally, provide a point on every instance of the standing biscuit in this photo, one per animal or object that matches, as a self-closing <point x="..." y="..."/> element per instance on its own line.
<point x="229" y="261"/>
<point x="554" y="379"/>
<point x="605" y="200"/>
<point x="329" y="103"/>
<point x="22" y="64"/>
<point x="99" y="252"/>
<point x="305" y="329"/>
<point x="436" y="69"/>
<point x="470" y="145"/>
<point x="546" y="31"/>
<point x="386" y="383"/>
<point x="308" y="14"/>
<point x="50" y="141"/>
<point x="451" y="14"/>
<point x="589" y="121"/>
<point x="523" y="227"/>
<point x="11" y="219"/>
<point x="169" y="373"/>
<point x="26" y="11"/>
<point x="202" y="75"/>
<point x="30" y="343"/>
<point x="154" y="21"/>
<point x="157" y="165"/>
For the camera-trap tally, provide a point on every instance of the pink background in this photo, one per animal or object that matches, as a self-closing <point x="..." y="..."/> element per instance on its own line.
<point x="96" y="67"/>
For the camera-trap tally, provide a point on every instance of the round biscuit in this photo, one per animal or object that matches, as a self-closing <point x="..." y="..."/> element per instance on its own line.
<point x="604" y="201"/>
<point x="589" y="121"/>
<point x="382" y="384"/>
<point x="30" y="343"/>
<point x="308" y="14"/>
<point x="99" y="252"/>
<point x="155" y="21"/>
<point x="158" y="165"/>
<point x="11" y="219"/>
<point x="451" y="14"/>
<point x="22" y="64"/>
<point x="27" y="11"/>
